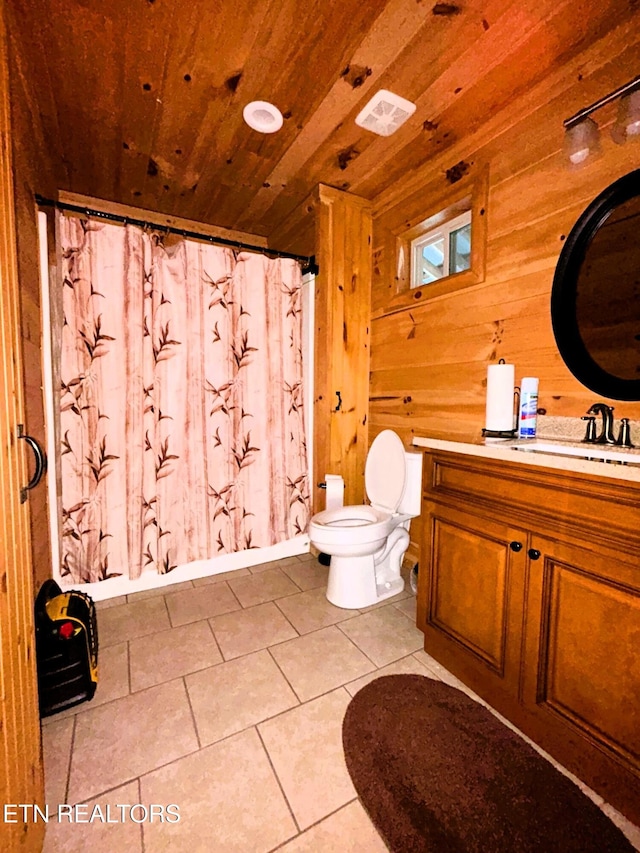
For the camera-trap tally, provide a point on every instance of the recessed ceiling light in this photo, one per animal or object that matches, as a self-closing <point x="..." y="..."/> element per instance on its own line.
<point x="262" y="116"/>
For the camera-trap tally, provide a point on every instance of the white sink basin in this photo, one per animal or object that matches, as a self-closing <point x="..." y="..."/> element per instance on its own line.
<point x="611" y="454"/>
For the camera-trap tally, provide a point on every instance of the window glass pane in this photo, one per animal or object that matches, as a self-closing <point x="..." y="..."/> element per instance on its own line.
<point x="432" y="261"/>
<point x="460" y="249"/>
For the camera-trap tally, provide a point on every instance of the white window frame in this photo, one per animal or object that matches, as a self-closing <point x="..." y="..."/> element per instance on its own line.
<point x="441" y="232"/>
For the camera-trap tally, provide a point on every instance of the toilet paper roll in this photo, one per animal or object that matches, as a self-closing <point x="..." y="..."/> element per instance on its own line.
<point x="500" y="388"/>
<point x="335" y="491"/>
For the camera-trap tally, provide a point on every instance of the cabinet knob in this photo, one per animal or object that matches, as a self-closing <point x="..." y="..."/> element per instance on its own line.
<point x="515" y="546"/>
<point x="534" y="554"/>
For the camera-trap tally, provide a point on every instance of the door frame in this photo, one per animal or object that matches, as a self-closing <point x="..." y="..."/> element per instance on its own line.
<point x="21" y="771"/>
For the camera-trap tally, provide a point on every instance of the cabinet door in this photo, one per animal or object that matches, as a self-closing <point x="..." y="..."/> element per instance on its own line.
<point x="471" y="598"/>
<point x="582" y="665"/>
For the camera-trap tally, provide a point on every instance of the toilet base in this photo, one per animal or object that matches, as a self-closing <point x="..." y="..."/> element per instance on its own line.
<point x="352" y="583"/>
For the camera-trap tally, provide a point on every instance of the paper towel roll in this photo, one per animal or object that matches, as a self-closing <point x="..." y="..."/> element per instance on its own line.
<point x="335" y="491"/>
<point x="500" y="388"/>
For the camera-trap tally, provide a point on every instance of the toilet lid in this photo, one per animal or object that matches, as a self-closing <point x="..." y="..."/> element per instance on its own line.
<point x="385" y="471"/>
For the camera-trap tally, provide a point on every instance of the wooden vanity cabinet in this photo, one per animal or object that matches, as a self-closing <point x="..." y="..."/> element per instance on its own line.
<point x="471" y="609"/>
<point x="529" y="592"/>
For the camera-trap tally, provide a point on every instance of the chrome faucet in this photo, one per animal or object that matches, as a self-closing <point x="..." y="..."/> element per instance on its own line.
<point x="606" y="436"/>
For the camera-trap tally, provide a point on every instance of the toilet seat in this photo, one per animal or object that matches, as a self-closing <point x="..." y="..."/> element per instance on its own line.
<point x="385" y="471"/>
<point x="361" y="515"/>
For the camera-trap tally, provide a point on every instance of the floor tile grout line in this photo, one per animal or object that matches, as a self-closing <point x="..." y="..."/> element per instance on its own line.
<point x="231" y="590"/>
<point x="291" y="579"/>
<point x="166" y="607"/>
<point x="70" y="761"/>
<point x="267" y="600"/>
<point x="191" y="711"/>
<point x="317" y="823"/>
<point x="129" y="679"/>
<point x="280" y="785"/>
<point x="175" y="677"/>
<point x="108" y="791"/>
<point x="289" y="622"/>
<point x="215" y="639"/>
<point x="353" y="642"/>
<point x="300" y="704"/>
<point x="284" y="675"/>
<point x="142" y="844"/>
<point x="240" y="608"/>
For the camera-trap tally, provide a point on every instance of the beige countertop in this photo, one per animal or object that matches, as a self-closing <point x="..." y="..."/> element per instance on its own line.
<point x="525" y="453"/>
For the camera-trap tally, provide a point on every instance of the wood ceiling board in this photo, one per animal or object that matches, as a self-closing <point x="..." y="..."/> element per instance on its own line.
<point x="30" y="57"/>
<point x="84" y="59"/>
<point x="553" y="42"/>
<point x="149" y="34"/>
<point x="92" y="60"/>
<point x="296" y="63"/>
<point x="350" y="155"/>
<point x="504" y="45"/>
<point x="39" y="114"/>
<point x="568" y="84"/>
<point x="205" y="63"/>
<point x="396" y="25"/>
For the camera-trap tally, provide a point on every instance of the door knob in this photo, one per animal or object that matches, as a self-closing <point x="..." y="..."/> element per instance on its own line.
<point x="533" y="553"/>
<point x="515" y="546"/>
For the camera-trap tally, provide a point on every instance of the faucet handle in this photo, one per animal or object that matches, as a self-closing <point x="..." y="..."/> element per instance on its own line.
<point x="590" y="435"/>
<point x="624" y="436"/>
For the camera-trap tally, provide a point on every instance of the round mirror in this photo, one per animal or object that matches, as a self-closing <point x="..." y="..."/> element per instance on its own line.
<point x="595" y="299"/>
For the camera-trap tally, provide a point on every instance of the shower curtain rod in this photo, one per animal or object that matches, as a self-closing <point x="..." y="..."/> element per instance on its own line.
<point x="308" y="262"/>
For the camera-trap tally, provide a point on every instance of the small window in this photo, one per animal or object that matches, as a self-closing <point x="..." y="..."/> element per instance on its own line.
<point x="434" y="253"/>
<point x="442" y="251"/>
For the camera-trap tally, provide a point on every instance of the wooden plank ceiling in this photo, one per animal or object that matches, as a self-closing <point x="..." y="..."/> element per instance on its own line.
<point x="141" y="100"/>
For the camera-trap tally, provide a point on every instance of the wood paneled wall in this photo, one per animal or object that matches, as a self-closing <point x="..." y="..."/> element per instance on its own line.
<point x="342" y="310"/>
<point x="20" y="762"/>
<point x="33" y="172"/>
<point x="429" y="361"/>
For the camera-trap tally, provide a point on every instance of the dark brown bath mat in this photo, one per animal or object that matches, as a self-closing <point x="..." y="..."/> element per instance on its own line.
<point x="438" y="773"/>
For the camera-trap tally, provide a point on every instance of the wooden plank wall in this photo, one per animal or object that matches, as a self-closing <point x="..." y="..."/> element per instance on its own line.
<point x="429" y="361"/>
<point x="342" y="309"/>
<point x="33" y="172"/>
<point x="21" y="779"/>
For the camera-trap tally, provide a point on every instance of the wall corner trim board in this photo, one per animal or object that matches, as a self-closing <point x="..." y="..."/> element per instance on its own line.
<point x="342" y="313"/>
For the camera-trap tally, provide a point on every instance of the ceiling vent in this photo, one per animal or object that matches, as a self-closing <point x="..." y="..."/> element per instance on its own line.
<point x="385" y="113"/>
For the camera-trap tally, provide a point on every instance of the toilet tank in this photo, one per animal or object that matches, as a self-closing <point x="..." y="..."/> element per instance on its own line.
<point x="410" y="503"/>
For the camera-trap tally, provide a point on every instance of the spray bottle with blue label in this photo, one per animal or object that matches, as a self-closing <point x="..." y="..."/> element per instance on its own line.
<point x="528" y="407"/>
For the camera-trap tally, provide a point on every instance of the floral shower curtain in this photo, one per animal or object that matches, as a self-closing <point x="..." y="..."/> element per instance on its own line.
<point x="182" y="417"/>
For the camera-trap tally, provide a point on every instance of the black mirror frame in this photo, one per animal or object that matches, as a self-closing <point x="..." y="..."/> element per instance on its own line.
<point x="564" y="293"/>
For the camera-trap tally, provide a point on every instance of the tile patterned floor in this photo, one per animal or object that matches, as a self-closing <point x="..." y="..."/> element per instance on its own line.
<point x="225" y="696"/>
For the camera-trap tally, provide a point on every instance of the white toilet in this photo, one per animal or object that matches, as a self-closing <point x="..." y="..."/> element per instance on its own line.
<point x="367" y="542"/>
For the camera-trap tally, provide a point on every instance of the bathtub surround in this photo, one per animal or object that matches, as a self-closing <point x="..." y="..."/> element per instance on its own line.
<point x="182" y="416"/>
